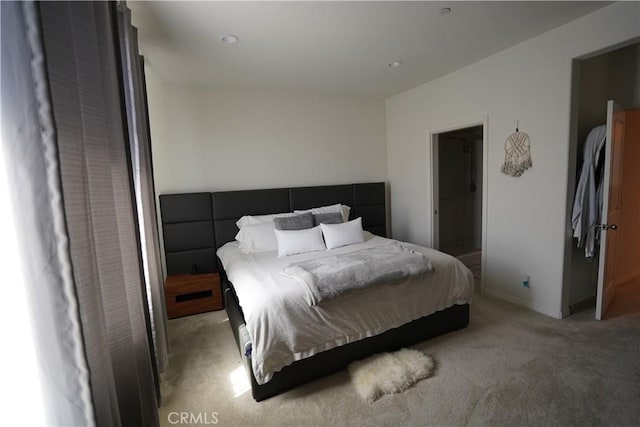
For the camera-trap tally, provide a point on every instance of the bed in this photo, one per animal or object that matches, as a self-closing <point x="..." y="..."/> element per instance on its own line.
<point x="394" y="313"/>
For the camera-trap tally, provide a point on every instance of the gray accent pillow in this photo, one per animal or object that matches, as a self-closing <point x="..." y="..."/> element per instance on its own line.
<point x="328" y="218"/>
<point x="295" y="222"/>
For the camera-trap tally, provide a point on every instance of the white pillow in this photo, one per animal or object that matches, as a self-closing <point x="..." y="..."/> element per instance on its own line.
<point x="257" y="238"/>
<point x="343" y="209"/>
<point x="259" y="219"/>
<point x="291" y="242"/>
<point x="348" y="233"/>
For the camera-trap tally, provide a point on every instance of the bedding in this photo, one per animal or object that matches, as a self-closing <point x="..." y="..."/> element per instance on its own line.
<point x="291" y="242"/>
<point x="348" y="233"/>
<point x="328" y="218"/>
<point x="294" y="222"/>
<point x="284" y="328"/>
<point x="328" y="278"/>
<point x="258" y="237"/>
<point x="343" y="209"/>
<point x="260" y="219"/>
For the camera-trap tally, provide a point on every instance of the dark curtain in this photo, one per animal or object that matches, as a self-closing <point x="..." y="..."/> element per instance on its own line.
<point x="66" y="133"/>
<point x="140" y="151"/>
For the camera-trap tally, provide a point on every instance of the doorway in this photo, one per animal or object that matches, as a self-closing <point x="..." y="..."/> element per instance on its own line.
<point x="458" y="165"/>
<point x="598" y="78"/>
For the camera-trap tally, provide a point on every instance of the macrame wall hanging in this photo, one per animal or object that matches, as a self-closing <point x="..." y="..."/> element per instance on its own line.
<point x="517" y="153"/>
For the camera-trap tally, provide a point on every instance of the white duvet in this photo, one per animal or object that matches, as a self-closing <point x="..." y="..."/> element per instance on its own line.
<point x="284" y="328"/>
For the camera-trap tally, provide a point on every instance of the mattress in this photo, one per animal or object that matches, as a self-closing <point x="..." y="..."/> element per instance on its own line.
<point x="284" y="328"/>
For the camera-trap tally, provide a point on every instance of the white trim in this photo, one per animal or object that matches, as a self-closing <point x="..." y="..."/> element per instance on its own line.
<point x="433" y="151"/>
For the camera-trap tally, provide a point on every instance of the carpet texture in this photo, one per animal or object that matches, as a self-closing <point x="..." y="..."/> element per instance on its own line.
<point x="388" y="373"/>
<point x="509" y="367"/>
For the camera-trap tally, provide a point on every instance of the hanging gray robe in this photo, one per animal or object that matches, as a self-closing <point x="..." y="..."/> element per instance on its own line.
<point x="587" y="206"/>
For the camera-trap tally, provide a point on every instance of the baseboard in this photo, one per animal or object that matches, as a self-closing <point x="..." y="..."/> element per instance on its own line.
<point x="523" y="303"/>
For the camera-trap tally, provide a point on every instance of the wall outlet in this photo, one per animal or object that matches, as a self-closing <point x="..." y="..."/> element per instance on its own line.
<point x="526" y="281"/>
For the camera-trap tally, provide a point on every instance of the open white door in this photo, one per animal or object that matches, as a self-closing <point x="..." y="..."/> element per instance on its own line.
<point x="611" y="207"/>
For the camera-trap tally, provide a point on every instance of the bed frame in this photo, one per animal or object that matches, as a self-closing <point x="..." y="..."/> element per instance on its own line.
<point x="197" y="229"/>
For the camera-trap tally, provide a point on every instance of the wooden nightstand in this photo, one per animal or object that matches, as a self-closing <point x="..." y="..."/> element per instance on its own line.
<point x="187" y="294"/>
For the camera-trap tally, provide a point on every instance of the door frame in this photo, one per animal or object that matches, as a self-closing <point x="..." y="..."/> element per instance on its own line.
<point x="432" y="164"/>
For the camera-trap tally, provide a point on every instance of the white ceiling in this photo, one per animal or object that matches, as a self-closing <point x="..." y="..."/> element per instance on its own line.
<point x="334" y="47"/>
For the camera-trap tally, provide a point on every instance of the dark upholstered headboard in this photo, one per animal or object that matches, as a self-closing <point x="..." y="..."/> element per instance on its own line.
<point x="189" y="240"/>
<point x="187" y="228"/>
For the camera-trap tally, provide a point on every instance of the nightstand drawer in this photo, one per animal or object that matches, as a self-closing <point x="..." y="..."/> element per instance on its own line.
<point x="187" y="294"/>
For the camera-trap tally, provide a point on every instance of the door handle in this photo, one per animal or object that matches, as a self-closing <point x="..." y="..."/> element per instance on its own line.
<point x="605" y="227"/>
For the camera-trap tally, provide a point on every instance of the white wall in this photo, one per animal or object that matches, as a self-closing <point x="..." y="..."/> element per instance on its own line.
<point x="205" y="139"/>
<point x="527" y="215"/>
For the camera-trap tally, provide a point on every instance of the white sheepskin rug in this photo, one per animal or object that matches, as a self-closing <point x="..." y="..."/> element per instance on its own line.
<point x="387" y="373"/>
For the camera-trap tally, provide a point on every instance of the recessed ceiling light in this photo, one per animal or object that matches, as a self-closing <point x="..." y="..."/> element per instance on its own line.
<point x="445" y="10"/>
<point x="229" y="38"/>
<point x="394" y="64"/>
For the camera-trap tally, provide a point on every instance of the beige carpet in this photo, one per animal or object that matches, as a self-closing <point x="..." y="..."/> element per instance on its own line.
<point x="509" y="367"/>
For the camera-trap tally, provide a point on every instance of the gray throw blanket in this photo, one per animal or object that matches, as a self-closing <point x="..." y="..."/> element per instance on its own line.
<point x="330" y="277"/>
